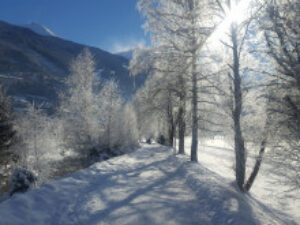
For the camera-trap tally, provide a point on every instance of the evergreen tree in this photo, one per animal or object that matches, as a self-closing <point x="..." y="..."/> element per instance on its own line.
<point x="6" y="129"/>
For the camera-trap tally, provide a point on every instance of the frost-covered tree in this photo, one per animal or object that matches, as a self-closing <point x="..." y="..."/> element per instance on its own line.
<point x="182" y="26"/>
<point x="110" y="107"/>
<point x="240" y="91"/>
<point x="280" y="23"/>
<point x="128" y="130"/>
<point x="118" y="121"/>
<point x="80" y="104"/>
<point x="92" y="111"/>
<point x="150" y="109"/>
<point x="39" y="142"/>
<point x="165" y="86"/>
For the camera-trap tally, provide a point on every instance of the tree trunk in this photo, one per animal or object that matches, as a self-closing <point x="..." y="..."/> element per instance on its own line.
<point x="181" y="124"/>
<point x="239" y="145"/>
<point x="109" y="131"/>
<point x="254" y="173"/>
<point x="194" y="148"/>
<point x="171" y="129"/>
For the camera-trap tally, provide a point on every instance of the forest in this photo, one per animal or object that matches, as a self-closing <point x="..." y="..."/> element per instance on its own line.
<point x="215" y="69"/>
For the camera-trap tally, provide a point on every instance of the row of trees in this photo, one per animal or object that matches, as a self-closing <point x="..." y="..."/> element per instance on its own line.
<point x="221" y="72"/>
<point x="91" y="121"/>
<point x="211" y="70"/>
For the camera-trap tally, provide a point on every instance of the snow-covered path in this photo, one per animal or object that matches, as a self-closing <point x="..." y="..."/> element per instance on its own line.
<point x="149" y="186"/>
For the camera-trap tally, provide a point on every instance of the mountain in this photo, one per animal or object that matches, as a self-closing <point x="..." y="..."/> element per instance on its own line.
<point x="33" y="66"/>
<point x="127" y="54"/>
<point x="40" y="29"/>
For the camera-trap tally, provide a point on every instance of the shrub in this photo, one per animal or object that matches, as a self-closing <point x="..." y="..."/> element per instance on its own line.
<point x="21" y="180"/>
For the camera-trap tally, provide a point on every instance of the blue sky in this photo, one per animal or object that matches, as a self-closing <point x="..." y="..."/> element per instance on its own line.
<point x="113" y="25"/>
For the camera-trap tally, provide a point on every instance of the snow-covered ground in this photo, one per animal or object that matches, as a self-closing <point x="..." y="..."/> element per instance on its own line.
<point x="149" y="186"/>
<point x="268" y="188"/>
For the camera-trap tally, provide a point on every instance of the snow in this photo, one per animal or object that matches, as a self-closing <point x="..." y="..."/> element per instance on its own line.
<point x="40" y="29"/>
<point x="218" y="156"/>
<point x="10" y="77"/>
<point x="126" y="54"/>
<point x="149" y="186"/>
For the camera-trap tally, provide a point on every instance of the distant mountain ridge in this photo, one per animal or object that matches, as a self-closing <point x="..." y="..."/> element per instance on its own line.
<point x="127" y="54"/>
<point x="40" y="29"/>
<point x="33" y="66"/>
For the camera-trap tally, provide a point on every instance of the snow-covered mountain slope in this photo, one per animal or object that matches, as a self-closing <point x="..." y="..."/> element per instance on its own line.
<point x="33" y="66"/>
<point x="127" y="54"/>
<point x="149" y="186"/>
<point x="40" y="29"/>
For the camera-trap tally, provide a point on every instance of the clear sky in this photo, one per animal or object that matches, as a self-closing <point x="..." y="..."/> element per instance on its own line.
<point x="113" y="25"/>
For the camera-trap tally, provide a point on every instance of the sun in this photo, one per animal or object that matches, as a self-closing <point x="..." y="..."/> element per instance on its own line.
<point x="235" y="12"/>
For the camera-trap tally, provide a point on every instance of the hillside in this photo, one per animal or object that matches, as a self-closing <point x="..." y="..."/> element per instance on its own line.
<point x="149" y="186"/>
<point x="127" y="54"/>
<point x="33" y="66"/>
<point x="40" y="29"/>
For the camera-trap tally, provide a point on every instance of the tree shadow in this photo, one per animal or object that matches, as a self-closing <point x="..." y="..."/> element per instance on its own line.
<point x="282" y="217"/>
<point x="148" y="188"/>
<point x="153" y="200"/>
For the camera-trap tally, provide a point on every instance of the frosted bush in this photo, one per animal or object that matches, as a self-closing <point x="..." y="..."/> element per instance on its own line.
<point x="21" y="180"/>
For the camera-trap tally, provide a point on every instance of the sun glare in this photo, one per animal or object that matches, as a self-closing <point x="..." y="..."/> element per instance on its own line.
<point x="236" y="13"/>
